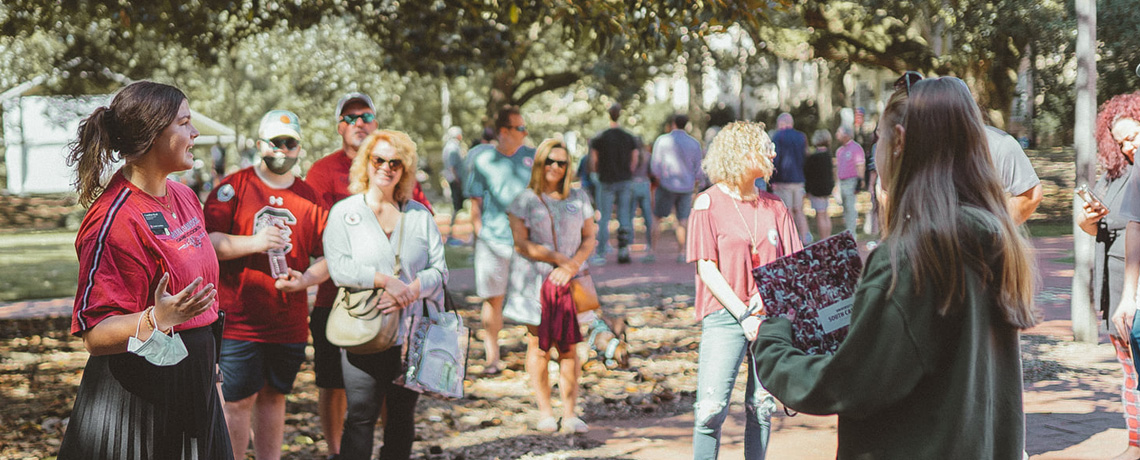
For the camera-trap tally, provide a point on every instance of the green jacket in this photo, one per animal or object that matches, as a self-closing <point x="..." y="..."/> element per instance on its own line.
<point x="907" y="382"/>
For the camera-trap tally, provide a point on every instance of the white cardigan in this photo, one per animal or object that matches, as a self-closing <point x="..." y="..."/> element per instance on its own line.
<point x="356" y="248"/>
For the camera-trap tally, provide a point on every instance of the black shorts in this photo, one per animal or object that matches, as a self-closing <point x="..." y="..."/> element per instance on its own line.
<point x="456" y="195"/>
<point x="326" y="356"/>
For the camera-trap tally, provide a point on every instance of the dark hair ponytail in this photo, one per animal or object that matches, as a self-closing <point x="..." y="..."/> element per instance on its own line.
<point x="136" y="117"/>
<point x="90" y="155"/>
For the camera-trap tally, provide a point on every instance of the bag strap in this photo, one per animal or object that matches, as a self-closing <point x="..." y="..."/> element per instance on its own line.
<point x="399" y="267"/>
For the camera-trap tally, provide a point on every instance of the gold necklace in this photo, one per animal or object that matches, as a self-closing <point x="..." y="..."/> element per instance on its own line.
<point x="754" y="249"/>
<point x="127" y="175"/>
<point x="164" y="205"/>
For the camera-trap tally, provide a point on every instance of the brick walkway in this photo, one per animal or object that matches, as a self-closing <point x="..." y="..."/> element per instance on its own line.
<point x="1066" y="419"/>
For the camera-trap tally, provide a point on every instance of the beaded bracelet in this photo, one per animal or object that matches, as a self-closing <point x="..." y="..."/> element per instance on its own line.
<point x="154" y="322"/>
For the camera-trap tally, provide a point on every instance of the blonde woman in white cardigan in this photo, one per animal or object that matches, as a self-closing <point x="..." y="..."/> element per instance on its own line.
<point x="366" y="234"/>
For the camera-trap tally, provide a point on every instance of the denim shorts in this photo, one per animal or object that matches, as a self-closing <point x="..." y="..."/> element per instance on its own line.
<point x="247" y="367"/>
<point x="666" y="202"/>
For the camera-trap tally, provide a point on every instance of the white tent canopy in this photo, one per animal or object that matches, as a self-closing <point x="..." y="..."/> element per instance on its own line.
<point x="38" y="129"/>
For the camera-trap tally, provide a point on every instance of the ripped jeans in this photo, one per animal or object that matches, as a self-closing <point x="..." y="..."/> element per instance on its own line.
<point x="723" y="348"/>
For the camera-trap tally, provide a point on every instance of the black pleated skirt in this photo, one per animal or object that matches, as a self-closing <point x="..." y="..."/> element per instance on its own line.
<point x="129" y="409"/>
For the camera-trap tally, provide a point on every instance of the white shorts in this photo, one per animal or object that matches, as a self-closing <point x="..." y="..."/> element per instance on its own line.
<point x="492" y="268"/>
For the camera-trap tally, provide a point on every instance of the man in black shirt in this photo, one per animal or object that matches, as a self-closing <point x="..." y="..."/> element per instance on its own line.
<point x="613" y="155"/>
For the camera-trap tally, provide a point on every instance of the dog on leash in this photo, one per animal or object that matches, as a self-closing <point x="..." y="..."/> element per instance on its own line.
<point x="607" y="343"/>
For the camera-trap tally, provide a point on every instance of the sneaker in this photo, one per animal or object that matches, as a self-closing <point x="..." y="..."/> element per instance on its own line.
<point x="649" y="259"/>
<point x="575" y="425"/>
<point x="548" y="425"/>
<point x="871" y="245"/>
<point x="681" y="259"/>
<point x="623" y="255"/>
<point x="597" y="260"/>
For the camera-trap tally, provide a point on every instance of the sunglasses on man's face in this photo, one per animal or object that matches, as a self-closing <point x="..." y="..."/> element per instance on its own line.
<point x="393" y="163"/>
<point x="907" y="79"/>
<point x="351" y="119"/>
<point x="519" y="128"/>
<point x="282" y="143"/>
<point x="560" y="163"/>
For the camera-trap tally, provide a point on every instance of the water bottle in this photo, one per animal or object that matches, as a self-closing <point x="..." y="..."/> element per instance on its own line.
<point x="278" y="267"/>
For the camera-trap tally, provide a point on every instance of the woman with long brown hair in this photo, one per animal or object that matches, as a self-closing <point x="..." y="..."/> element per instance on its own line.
<point x="931" y="367"/>
<point x="146" y="297"/>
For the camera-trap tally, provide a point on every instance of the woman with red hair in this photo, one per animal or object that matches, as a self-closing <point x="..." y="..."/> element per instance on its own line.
<point x="1116" y="135"/>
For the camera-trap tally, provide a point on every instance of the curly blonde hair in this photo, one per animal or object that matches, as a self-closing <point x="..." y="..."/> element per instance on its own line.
<point x="737" y="148"/>
<point x="405" y="150"/>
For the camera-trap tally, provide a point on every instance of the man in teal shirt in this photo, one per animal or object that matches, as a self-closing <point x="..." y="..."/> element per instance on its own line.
<point x="497" y="174"/>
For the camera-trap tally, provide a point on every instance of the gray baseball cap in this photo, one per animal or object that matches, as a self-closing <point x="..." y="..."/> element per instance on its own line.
<point x="352" y="97"/>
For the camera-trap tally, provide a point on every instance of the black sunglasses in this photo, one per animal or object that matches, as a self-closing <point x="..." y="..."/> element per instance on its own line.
<point x="393" y="163"/>
<point x="561" y="164"/>
<point x="519" y="128"/>
<point x="282" y="143"/>
<point x="351" y="119"/>
<point x="907" y="79"/>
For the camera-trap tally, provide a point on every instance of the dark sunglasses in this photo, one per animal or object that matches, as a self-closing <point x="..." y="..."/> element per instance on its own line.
<point x="519" y="128"/>
<point x="561" y="164"/>
<point x="393" y="164"/>
<point x="351" y="119"/>
<point x="907" y="79"/>
<point x="282" y="143"/>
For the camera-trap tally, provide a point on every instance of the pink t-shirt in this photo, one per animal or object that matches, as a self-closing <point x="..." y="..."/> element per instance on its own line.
<point x="848" y="158"/>
<point x="719" y="233"/>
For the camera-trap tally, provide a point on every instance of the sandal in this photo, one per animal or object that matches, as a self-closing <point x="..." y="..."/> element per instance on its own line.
<point x="547" y="425"/>
<point x="492" y="369"/>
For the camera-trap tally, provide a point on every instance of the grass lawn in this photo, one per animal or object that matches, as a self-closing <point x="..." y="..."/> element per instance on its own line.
<point x="38" y="265"/>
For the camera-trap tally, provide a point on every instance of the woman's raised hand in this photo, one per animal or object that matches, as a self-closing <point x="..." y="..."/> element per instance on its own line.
<point x="172" y="310"/>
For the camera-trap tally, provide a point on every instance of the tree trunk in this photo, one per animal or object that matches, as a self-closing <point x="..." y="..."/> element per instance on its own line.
<point x="502" y="92"/>
<point x="694" y="74"/>
<point x="824" y="88"/>
<point x="837" y="72"/>
<point x="1081" y="311"/>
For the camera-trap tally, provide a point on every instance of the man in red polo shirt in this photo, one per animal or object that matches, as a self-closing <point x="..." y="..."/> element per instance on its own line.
<point x="265" y="224"/>
<point x="356" y="118"/>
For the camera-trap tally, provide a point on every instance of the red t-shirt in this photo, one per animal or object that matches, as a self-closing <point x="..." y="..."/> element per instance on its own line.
<point x="329" y="178"/>
<point x="718" y="232"/>
<point x="128" y="239"/>
<point x="255" y="310"/>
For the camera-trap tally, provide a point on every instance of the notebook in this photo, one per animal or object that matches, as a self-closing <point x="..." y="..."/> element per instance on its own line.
<point x="815" y="289"/>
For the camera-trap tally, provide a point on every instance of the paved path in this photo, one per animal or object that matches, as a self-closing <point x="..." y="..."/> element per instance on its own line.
<point x="1066" y="419"/>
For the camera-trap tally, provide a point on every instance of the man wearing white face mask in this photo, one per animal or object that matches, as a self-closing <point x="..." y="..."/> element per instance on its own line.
<point x="265" y="224"/>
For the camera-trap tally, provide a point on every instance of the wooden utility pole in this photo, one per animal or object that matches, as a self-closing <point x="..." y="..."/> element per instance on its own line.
<point x="1084" y="320"/>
